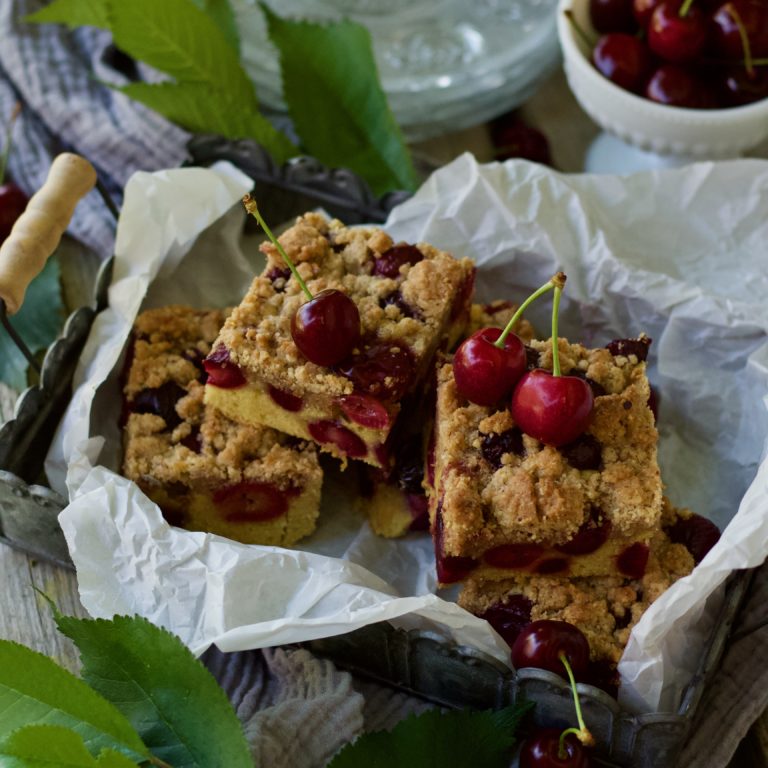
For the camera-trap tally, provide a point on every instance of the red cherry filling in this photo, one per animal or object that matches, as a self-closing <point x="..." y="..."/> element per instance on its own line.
<point x="418" y="506"/>
<point x="160" y="401"/>
<point x="631" y="562"/>
<point x="279" y="277"/>
<point x="696" y="533"/>
<point x="590" y="537"/>
<point x="332" y="432"/>
<point x="285" y="400"/>
<point x="553" y="409"/>
<point x="675" y="38"/>
<point x="396" y="298"/>
<point x="542" y="750"/>
<point x="365" y="410"/>
<point x="450" y="568"/>
<point x="623" y="59"/>
<point x="541" y="643"/>
<point x="252" y="502"/>
<point x="626" y="347"/>
<point x="222" y="372"/>
<point x="483" y="372"/>
<point x="513" y="556"/>
<point x="327" y="327"/>
<point x="584" y="453"/>
<point x="552" y="565"/>
<point x="495" y="444"/>
<point x="389" y="263"/>
<point x="383" y="370"/>
<point x="13" y="203"/>
<point x="509" y="618"/>
<point x="463" y="297"/>
<point x="193" y="440"/>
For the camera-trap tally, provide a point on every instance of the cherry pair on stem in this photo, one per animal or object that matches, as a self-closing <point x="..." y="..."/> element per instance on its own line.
<point x="548" y="406"/>
<point x="554" y="646"/>
<point x="326" y="328"/>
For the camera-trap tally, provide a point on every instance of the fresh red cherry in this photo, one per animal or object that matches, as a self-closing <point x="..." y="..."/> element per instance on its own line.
<point x="675" y="87"/>
<point x="489" y="363"/>
<point x="737" y="86"/>
<point x="485" y="373"/>
<point x="12" y="204"/>
<point x="728" y="38"/>
<point x="612" y="16"/>
<point x="544" y="750"/>
<point x="643" y="10"/>
<point x="512" y="137"/>
<point x="697" y="533"/>
<point x="623" y="59"/>
<point x="677" y="34"/>
<point x="326" y="328"/>
<point x="553" y="409"/>
<point x="541" y="643"/>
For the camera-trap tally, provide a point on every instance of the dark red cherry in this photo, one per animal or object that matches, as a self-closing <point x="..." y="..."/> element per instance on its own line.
<point x="326" y="328"/>
<point x="553" y="409"/>
<point x="726" y="36"/>
<point x="512" y="137"/>
<point x="643" y="10"/>
<point x="383" y="370"/>
<point x="638" y="347"/>
<point x="483" y="372"/>
<point x="542" y="750"/>
<point x="541" y="643"/>
<point x="675" y="38"/>
<point x="676" y="87"/>
<point x="737" y="87"/>
<point x="160" y="401"/>
<point x="612" y="16"/>
<point x="222" y="372"/>
<point x="418" y="506"/>
<point x="509" y="618"/>
<point x="193" y="441"/>
<point x="13" y="202"/>
<point x="590" y="537"/>
<point x="495" y="444"/>
<point x="631" y="562"/>
<point x="389" y="263"/>
<point x="365" y="410"/>
<point x="332" y="432"/>
<point x="624" y="59"/>
<point x="285" y="400"/>
<point x="584" y="453"/>
<point x="251" y="502"/>
<point x="697" y="533"/>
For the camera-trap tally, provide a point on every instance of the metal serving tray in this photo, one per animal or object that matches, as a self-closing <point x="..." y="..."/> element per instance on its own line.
<point x="418" y="662"/>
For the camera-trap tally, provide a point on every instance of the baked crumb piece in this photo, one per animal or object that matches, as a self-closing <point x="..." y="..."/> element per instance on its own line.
<point x="410" y="298"/>
<point x="205" y="471"/>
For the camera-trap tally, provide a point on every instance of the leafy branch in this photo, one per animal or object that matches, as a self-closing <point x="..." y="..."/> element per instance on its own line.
<point x="330" y="81"/>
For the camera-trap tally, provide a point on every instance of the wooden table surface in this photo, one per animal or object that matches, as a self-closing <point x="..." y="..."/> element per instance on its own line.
<point x="25" y="617"/>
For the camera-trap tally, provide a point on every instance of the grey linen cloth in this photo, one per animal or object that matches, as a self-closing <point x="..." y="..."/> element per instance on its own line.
<point x="298" y="710"/>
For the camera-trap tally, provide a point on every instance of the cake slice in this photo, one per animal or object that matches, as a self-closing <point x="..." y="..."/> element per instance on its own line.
<point x="503" y="502"/>
<point x="411" y="299"/>
<point x="396" y="502"/>
<point x="205" y="471"/>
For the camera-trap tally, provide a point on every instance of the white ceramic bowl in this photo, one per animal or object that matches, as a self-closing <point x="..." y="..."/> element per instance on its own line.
<point x="697" y="134"/>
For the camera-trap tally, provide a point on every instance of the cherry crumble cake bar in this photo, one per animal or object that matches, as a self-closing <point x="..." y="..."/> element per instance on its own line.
<point x="205" y="471"/>
<point x="410" y="298"/>
<point x="503" y="502"/>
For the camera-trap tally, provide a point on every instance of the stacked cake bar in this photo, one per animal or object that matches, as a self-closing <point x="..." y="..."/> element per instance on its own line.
<point x="204" y="470"/>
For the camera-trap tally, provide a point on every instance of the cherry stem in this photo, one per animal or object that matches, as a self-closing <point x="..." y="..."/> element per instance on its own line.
<point x="548" y="286"/>
<point x="684" y="8"/>
<point x="577" y="28"/>
<point x="253" y="209"/>
<point x="748" y="63"/>
<point x="555" y="314"/>
<point x="582" y="732"/>
<point x="7" y="146"/>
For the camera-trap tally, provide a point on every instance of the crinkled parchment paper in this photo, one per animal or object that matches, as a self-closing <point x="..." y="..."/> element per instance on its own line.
<point x="680" y="254"/>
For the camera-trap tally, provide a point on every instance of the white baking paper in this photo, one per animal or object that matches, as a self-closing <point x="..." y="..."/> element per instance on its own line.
<point x="680" y="254"/>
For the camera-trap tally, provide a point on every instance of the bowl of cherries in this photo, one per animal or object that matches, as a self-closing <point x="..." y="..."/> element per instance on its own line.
<point x="684" y="79"/>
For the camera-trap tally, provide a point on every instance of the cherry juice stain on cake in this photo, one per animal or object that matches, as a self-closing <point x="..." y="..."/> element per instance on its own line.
<point x="513" y="556"/>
